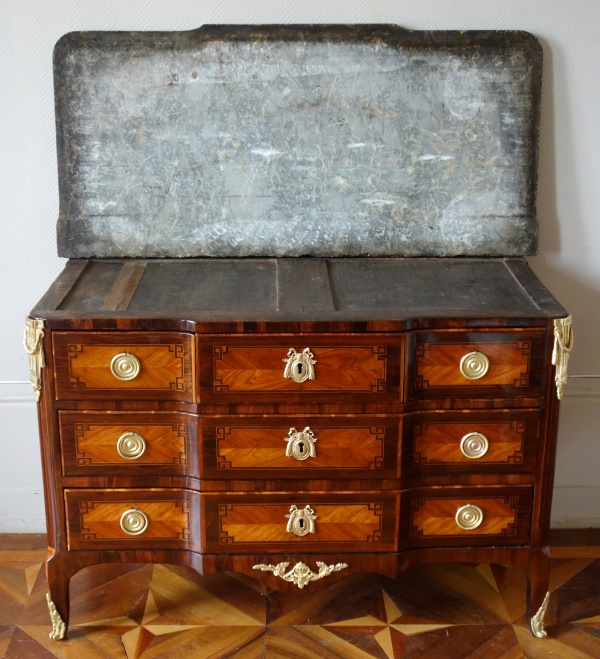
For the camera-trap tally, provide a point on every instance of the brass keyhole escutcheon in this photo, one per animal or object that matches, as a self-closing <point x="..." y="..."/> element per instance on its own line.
<point x="469" y="517"/>
<point x="131" y="445"/>
<point x="134" y="521"/>
<point x="301" y="522"/>
<point x="474" y="445"/>
<point x="301" y="444"/>
<point x="125" y="366"/>
<point x="299" y="366"/>
<point x="474" y="365"/>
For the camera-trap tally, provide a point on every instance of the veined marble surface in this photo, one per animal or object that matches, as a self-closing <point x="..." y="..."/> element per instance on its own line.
<point x="289" y="141"/>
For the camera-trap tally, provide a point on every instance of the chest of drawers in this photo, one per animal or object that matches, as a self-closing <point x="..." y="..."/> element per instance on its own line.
<point x="357" y="415"/>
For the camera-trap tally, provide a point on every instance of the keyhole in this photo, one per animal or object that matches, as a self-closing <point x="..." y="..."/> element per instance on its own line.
<point x="301" y="523"/>
<point x="299" y="368"/>
<point x="301" y="447"/>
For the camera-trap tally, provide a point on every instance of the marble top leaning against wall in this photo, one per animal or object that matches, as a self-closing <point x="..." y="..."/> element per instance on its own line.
<point x="297" y="140"/>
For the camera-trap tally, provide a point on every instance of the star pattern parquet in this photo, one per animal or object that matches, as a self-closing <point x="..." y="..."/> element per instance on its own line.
<point x="170" y="612"/>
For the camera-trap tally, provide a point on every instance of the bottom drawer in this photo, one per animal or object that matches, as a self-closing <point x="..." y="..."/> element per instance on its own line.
<point x="133" y="519"/>
<point x="249" y="524"/>
<point x="466" y="516"/>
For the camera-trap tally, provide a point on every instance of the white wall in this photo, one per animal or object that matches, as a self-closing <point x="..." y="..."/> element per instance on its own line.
<point x="569" y="191"/>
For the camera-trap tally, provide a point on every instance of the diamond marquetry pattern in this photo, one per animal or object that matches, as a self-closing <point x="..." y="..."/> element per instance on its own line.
<point x="146" y="612"/>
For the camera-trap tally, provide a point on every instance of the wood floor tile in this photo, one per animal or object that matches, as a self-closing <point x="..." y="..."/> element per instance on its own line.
<point x="464" y="642"/>
<point x="235" y="592"/>
<point x="206" y="642"/>
<point x="469" y="584"/>
<point x="23" y="646"/>
<point x="6" y="634"/>
<point x="170" y="612"/>
<point x="82" y="643"/>
<point x="254" y="650"/>
<point x="301" y="606"/>
<point x="579" y="598"/>
<point x="512" y="586"/>
<point x="99" y="575"/>
<point x="180" y="601"/>
<point x="15" y="585"/>
<point x="563" y="570"/>
<point x="112" y="599"/>
<point x="561" y="644"/>
<point x="34" y="556"/>
<point x="310" y="642"/>
<point x="433" y="596"/>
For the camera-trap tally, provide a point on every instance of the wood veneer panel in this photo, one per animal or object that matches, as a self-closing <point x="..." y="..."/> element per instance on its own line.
<point x="431" y="442"/>
<point x="89" y="444"/>
<point x="125" y="286"/>
<point x="344" y="522"/>
<point x="345" y="447"/>
<point x="516" y="360"/>
<point x="348" y="367"/>
<point x="62" y="285"/>
<point x="428" y="516"/>
<point x="90" y="289"/>
<point x="82" y="365"/>
<point x="93" y="519"/>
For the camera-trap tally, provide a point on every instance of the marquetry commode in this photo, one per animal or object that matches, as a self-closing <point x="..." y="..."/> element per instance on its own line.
<point x="294" y="419"/>
<point x="292" y="449"/>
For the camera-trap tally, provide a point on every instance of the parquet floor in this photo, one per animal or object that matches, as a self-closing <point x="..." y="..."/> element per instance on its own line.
<point x="168" y="612"/>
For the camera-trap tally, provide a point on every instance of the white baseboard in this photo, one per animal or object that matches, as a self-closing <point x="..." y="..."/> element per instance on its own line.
<point x="22" y="512"/>
<point x="575" y="507"/>
<point x="576" y="501"/>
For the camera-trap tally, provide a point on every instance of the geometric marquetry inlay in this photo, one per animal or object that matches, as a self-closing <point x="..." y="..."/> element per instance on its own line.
<point x="265" y="447"/>
<point x="251" y="523"/>
<point x="438" y="365"/>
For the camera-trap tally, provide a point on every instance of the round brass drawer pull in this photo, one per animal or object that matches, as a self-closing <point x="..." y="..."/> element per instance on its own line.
<point x="301" y="522"/>
<point x="474" y="365"/>
<point x="299" y="366"/>
<point x="301" y="444"/>
<point x="134" y="521"/>
<point x="474" y="445"/>
<point x="469" y="517"/>
<point x="125" y="366"/>
<point x="131" y="445"/>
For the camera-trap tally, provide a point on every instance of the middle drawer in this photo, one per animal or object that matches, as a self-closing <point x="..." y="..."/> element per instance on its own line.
<point x="287" y="368"/>
<point x="300" y="447"/>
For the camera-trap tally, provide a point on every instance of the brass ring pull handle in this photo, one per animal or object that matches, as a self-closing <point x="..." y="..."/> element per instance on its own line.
<point x="469" y="517"/>
<point x="474" y="365"/>
<point x="301" y="444"/>
<point x="125" y="366"/>
<point x="134" y="521"/>
<point x="299" y="366"/>
<point x="301" y="522"/>
<point x="474" y="445"/>
<point x="131" y="445"/>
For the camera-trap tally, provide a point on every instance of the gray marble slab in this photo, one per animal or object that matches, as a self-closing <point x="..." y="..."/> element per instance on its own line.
<point x="289" y="141"/>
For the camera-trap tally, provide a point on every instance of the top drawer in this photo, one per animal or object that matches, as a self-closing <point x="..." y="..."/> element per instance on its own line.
<point x="480" y="364"/>
<point x="124" y="364"/>
<point x="300" y="368"/>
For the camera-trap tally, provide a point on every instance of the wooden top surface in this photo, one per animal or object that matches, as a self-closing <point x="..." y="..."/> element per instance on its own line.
<point x="404" y="292"/>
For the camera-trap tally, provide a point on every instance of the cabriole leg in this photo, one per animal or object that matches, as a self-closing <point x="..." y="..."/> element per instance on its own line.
<point x="59" y="570"/>
<point x="538" y="577"/>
